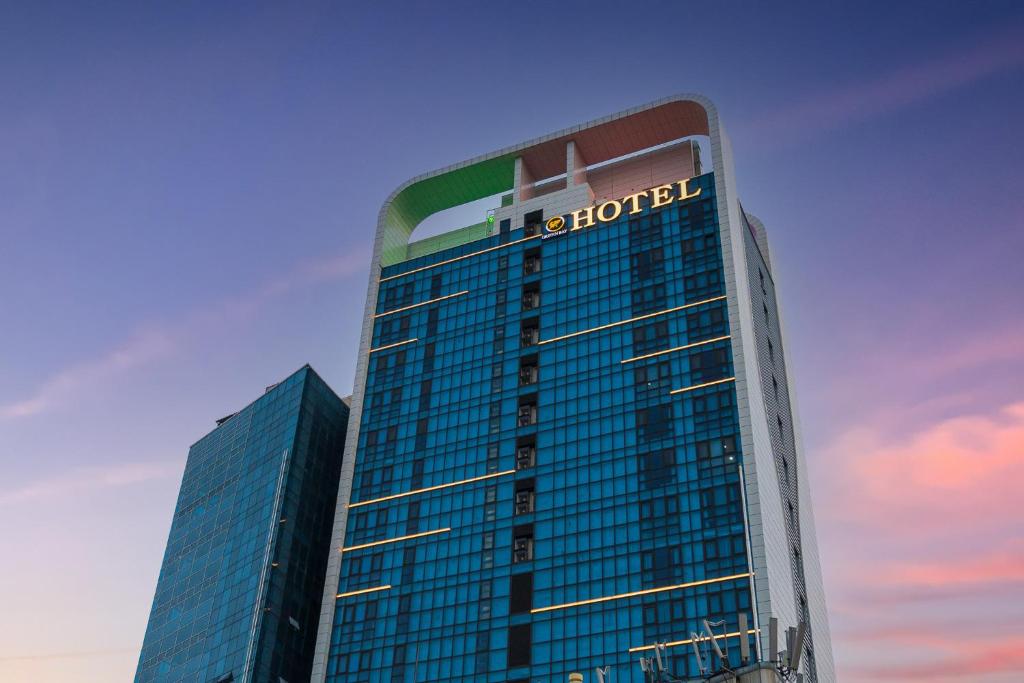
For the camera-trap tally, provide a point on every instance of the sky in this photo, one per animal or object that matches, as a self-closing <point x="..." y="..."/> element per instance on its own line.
<point x="188" y="194"/>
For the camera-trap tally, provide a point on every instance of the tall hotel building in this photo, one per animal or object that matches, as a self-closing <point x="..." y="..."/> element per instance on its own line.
<point x="572" y="434"/>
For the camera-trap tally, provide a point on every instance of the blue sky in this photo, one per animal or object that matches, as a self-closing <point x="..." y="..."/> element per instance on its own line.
<point x="190" y="190"/>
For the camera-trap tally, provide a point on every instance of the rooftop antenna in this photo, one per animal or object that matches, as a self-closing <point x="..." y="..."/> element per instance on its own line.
<point x="797" y="646"/>
<point x="773" y="639"/>
<point x="744" y="642"/>
<point x="658" y="649"/>
<point x="722" y="657"/>
<point x="694" y="640"/>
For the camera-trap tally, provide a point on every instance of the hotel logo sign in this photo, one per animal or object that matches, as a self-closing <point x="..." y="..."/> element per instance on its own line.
<point x="605" y="212"/>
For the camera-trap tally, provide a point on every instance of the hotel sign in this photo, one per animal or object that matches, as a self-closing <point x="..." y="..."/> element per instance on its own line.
<point x="657" y="197"/>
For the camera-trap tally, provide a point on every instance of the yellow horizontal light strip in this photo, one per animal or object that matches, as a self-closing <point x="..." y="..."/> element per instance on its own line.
<point x="423" y="303"/>
<point x="674" y="643"/>
<point x="701" y="386"/>
<point x="364" y="590"/>
<point x="431" y="488"/>
<point x="678" y="348"/>
<point x="391" y="346"/>
<point x="633" y="320"/>
<point x="634" y="594"/>
<point x="459" y="258"/>
<point x="395" y="540"/>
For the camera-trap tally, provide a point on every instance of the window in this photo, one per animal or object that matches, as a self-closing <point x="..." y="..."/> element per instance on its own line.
<point x="710" y="322"/>
<point x="520" y="592"/>
<point x="417" y="473"/>
<point x="398" y="296"/>
<point x="648" y="299"/>
<point x="531" y="297"/>
<point x="699" y="243"/>
<point x="775" y="387"/>
<point x="531" y="262"/>
<point x="492" y="458"/>
<point x="651" y="337"/>
<point x="654" y="422"/>
<point x="522" y="543"/>
<point x="524" y="496"/>
<point x="496" y="372"/>
<point x="412" y="522"/>
<point x="659" y="508"/>
<point x="530" y="334"/>
<point x="652" y="376"/>
<point x="782" y="433"/>
<point x="425" y="388"/>
<point x="645" y="229"/>
<point x="422" y="428"/>
<point x="657" y="468"/>
<point x="528" y="371"/>
<point x="527" y="414"/>
<point x="408" y="564"/>
<point x="709" y="365"/>
<point x="499" y="339"/>
<point x="432" y="316"/>
<point x="435" y="286"/>
<point x="428" y="357"/>
<point x="703" y="284"/>
<point x="394" y="329"/>
<point x="531" y="223"/>
<point x="724" y="447"/>
<point x="647" y="264"/>
<point x="526" y="453"/>
<point x="519" y="641"/>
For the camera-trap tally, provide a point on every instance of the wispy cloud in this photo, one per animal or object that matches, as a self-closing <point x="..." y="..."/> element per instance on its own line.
<point x="156" y="342"/>
<point x="893" y="90"/>
<point x="145" y="347"/>
<point x="88" y="479"/>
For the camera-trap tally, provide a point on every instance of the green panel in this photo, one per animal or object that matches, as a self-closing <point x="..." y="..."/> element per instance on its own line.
<point x="452" y="238"/>
<point x="440" y="192"/>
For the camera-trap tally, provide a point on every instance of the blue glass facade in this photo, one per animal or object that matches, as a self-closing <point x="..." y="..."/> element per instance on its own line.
<point x="242" y="578"/>
<point x="548" y="469"/>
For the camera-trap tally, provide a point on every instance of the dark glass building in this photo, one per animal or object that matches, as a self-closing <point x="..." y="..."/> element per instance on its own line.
<point x="239" y="591"/>
<point x="573" y="435"/>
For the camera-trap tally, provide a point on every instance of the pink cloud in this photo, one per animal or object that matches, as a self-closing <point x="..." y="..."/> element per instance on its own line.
<point x="1005" y="565"/>
<point x="921" y="536"/>
<point x="960" y="473"/>
<point x="967" y="659"/>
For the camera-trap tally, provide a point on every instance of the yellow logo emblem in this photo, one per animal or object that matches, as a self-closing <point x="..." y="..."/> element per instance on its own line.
<point x="555" y="223"/>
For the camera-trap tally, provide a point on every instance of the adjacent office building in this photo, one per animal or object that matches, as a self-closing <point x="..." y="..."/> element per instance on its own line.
<point x="238" y="597"/>
<point x="573" y="430"/>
